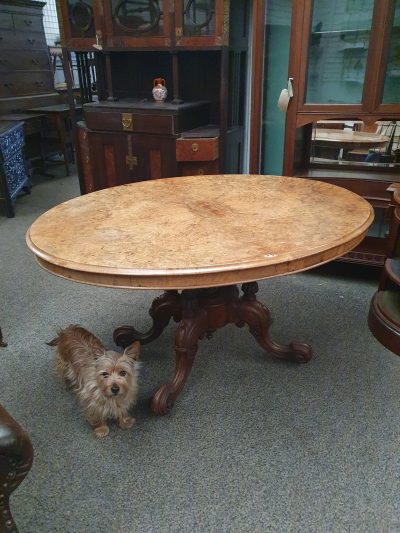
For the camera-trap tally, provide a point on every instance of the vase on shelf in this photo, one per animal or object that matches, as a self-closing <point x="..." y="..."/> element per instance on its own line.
<point x="159" y="90"/>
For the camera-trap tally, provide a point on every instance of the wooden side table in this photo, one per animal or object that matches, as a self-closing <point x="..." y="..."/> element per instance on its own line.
<point x="60" y="116"/>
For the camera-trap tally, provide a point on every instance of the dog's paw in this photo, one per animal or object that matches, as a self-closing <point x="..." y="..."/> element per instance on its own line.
<point x="101" y="431"/>
<point x="126" y="422"/>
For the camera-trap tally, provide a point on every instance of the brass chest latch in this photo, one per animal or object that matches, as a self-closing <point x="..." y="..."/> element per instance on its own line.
<point x="127" y="122"/>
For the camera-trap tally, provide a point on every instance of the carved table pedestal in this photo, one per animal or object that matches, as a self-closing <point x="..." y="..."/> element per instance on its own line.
<point x="200" y="312"/>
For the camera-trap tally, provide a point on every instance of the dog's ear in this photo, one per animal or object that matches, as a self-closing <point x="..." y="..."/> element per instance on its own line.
<point x="132" y="351"/>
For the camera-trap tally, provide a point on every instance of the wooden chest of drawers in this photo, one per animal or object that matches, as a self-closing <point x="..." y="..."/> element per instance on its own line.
<point x="25" y="69"/>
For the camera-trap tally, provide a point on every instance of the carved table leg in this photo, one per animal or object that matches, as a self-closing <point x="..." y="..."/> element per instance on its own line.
<point x="258" y="318"/>
<point x="193" y="326"/>
<point x="163" y="308"/>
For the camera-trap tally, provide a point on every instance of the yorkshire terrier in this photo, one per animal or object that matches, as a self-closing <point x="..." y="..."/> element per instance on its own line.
<point x="105" y="381"/>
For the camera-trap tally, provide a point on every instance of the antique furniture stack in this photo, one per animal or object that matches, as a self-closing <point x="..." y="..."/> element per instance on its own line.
<point x="26" y="81"/>
<point x="126" y="135"/>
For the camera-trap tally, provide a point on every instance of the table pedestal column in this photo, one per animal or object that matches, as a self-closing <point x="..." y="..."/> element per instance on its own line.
<point x="200" y="312"/>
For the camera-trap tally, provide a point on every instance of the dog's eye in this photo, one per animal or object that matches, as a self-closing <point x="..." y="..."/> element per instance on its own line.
<point x="122" y="373"/>
<point x="105" y="374"/>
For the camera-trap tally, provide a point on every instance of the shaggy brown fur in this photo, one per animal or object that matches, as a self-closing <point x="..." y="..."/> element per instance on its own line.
<point x="105" y="381"/>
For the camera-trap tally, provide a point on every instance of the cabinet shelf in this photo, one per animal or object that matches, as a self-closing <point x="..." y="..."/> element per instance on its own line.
<point x="332" y="32"/>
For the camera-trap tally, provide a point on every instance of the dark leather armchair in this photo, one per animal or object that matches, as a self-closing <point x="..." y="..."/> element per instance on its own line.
<point x="16" y="455"/>
<point x="384" y="312"/>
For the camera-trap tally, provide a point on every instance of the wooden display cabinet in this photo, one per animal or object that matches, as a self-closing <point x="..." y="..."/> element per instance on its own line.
<point x="137" y="24"/>
<point x="344" y="67"/>
<point x="199" y="24"/>
<point x="132" y="24"/>
<point x="126" y="136"/>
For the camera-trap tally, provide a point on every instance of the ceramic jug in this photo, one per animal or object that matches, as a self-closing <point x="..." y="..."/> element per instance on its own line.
<point x="159" y="90"/>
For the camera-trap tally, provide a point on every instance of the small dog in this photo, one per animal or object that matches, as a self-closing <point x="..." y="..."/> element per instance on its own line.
<point x="105" y="381"/>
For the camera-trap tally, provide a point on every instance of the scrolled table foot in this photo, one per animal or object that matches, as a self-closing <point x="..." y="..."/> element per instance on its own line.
<point x="126" y="335"/>
<point x="300" y="352"/>
<point x="162" y="401"/>
<point x="258" y="318"/>
<point x="162" y="310"/>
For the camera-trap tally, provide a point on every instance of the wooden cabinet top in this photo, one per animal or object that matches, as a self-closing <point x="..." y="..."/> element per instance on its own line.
<point x="131" y="24"/>
<point x="15" y="5"/>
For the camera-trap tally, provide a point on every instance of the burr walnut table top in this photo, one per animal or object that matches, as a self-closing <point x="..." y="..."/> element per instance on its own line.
<point x="198" y="231"/>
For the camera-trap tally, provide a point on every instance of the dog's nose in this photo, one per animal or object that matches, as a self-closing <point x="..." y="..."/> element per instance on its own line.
<point x="115" y="389"/>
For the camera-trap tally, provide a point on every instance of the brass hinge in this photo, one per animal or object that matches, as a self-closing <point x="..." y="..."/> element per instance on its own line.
<point x="130" y="159"/>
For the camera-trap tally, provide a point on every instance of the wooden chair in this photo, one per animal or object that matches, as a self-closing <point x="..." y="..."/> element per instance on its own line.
<point x="16" y="455"/>
<point x="384" y="312"/>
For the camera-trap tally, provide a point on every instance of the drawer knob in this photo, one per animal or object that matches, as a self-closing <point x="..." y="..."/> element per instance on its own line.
<point x="8" y="85"/>
<point x="31" y="41"/>
<point x="28" y="22"/>
<point x="195" y="147"/>
<point x="40" y="83"/>
<point x="36" y="61"/>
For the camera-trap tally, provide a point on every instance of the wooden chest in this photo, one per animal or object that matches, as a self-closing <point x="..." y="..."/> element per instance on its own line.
<point x="135" y="116"/>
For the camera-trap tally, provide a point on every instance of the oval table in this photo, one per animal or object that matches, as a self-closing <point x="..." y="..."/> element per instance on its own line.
<point x="349" y="139"/>
<point x="197" y="237"/>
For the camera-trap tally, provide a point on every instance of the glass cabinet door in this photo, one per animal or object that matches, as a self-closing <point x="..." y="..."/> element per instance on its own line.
<point x="337" y="51"/>
<point x="79" y="21"/>
<point x="391" y="87"/>
<point x="138" y="23"/>
<point x="201" y="22"/>
<point x="81" y="18"/>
